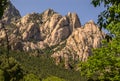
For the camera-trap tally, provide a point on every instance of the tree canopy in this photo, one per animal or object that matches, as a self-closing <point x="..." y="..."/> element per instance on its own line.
<point x="10" y="69"/>
<point x="110" y="17"/>
<point x="104" y="64"/>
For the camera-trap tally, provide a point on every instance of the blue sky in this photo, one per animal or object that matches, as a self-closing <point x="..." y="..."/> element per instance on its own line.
<point x="83" y="8"/>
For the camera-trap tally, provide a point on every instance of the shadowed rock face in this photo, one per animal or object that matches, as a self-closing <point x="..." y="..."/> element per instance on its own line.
<point x="39" y="31"/>
<point x="11" y="14"/>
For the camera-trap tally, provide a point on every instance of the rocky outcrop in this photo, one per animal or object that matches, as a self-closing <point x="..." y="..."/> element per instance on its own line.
<point x="79" y="44"/>
<point x="48" y="28"/>
<point x="11" y="14"/>
<point x="35" y="31"/>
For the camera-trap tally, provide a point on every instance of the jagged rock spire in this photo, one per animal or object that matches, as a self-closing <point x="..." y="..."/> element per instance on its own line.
<point x="41" y="30"/>
<point x="11" y="14"/>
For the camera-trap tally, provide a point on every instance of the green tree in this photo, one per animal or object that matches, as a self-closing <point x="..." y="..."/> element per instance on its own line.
<point x="110" y="17"/>
<point x="105" y="62"/>
<point x="10" y="69"/>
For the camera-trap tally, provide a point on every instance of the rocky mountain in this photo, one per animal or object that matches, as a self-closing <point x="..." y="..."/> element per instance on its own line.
<point x="71" y="41"/>
<point x="11" y="14"/>
<point x="79" y="44"/>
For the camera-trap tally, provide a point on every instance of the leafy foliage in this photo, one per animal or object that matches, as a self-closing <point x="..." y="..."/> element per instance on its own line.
<point x="10" y="69"/>
<point x="105" y="62"/>
<point x="110" y="17"/>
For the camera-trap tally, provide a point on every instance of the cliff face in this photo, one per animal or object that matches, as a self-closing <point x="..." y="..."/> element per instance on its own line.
<point x="79" y="44"/>
<point x="39" y="31"/>
<point x="11" y="14"/>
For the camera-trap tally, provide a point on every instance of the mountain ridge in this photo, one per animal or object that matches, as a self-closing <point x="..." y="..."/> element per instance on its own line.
<point x="37" y="31"/>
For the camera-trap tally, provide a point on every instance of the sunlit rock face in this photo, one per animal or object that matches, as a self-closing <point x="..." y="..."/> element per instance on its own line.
<point x="36" y="31"/>
<point x="80" y="43"/>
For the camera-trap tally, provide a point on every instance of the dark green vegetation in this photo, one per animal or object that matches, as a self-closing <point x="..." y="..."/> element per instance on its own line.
<point x="41" y="67"/>
<point x="9" y="69"/>
<point x="3" y="4"/>
<point x="105" y="63"/>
